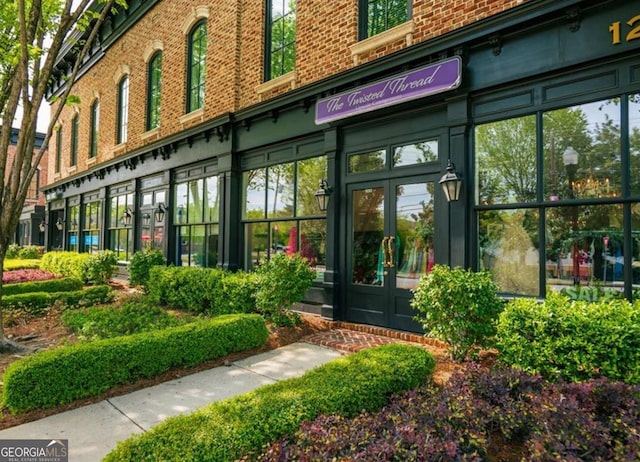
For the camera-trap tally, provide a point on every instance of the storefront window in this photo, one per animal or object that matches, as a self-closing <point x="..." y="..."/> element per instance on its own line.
<point x="509" y="249"/>
<point x="635" y="249"/>
<point x="121" y="226"/>
<point x="72" y="227"/>
<point x="506" y="161"/>
<point x="582" y="156"/>
<point x="196" y="219"/>
<point x="367" y="161"/>
<point x="91" y="230"/>
<point x="285" y="191"/>
<point x="581" y="148"/>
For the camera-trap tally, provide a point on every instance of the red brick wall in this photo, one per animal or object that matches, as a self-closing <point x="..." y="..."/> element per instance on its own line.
<point x="325" y="30"/>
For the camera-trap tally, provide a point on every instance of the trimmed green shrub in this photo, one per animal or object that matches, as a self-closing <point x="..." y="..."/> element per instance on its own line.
<point x="50" y="285"/>
<point x="30" y="252"/>
<point x="282" y="281"/>
<point x="572" y="340"/>
<point x="459" y="307"/>
<point x="17" y="264"/>
<point x="13" y="252"/>
<point x="202" y="290"/>
<point x="140" y="264"/>
<point x="226" y="430"/>
<point x="62" y="375"/>
<point x="37" y="302"/>
<point x="95" y="268"/>
<point x="132" y="317"/>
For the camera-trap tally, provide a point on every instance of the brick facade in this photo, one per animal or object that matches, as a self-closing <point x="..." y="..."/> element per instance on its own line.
<point x="325" y="31"/>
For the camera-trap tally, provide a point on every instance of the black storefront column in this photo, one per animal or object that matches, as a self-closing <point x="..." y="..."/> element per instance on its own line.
<point x="230" y="212"/>
<point x="331" y="300"/>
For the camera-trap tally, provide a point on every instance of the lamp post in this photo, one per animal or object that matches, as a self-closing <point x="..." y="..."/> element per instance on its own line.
<point x="570" y="161"/>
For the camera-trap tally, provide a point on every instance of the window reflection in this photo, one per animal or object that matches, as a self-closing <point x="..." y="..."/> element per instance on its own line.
<point x="367" y="161"/>
<point x="634" y="143"/>
<point x="506" y="161"/>
<point x="582" y="151"/>
<point x="508" y="245"/>
<point x="280" y="188"/>
<point x="417" y="153"/>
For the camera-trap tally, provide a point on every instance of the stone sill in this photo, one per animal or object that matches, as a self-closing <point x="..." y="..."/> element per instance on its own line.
<point x="72" y="170"/>
<point x="370" y="44"/>
<point x="198" y="115"/>
<point x="287" y="79"/>
<point x="118" y="149"/>
<point x="150" y="135"/>
<point x="91" y="160"/>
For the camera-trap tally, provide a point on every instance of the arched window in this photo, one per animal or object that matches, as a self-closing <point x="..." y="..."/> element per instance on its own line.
<point x="196" y="66"/>
<point x="95" y="126"/>
<point x="123" y="110"/>
<point x="154" y="80"/>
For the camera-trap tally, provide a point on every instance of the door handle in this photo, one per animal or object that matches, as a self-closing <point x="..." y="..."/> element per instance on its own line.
<point x="385" y="264"/>
<point x="390" y="245"/>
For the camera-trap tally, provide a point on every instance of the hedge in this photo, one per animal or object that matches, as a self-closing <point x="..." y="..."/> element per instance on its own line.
<point x="62" y="375"/>
<point x="95" y="268"/>
<point x="202" y="290"/>
<point x="572" y="340"/>
<point x="50" y="285"/>
<point x="18" y="264"/>
<point x="37" y="302"/>
<point x="227" y="430"/>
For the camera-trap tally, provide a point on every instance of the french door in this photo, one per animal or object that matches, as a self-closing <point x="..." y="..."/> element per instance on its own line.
<point x="391" y="243"/>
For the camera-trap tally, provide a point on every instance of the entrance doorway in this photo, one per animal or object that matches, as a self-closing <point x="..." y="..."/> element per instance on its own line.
<point x="391" y="243"/>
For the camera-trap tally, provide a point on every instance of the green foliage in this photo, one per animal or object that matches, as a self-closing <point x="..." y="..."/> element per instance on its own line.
<point x="95" y="268"/>
<point x="226" y="430"/>
<point x="13" y="252"/>
<point x="62" y="375"/>
<point x="50" y="285"/>
<point x="281" y="282"/>
<point x="459" y="307"/>
<point x="30" y="252"/>
<point x="131" y="318"/>
<point x="572" y="340"/>
<point x="37" y="302"/>
<point x="11" y="265"/>
<point x="202" y="290"/>
<point x="140" y="264"/>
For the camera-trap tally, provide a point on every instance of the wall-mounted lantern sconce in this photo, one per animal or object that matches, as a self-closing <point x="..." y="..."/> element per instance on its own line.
<point x="146" y="219"/>
<point x="451" y="183"/>
<point x="59" y="224"/>
<point x="127" y="216"/>
<point x="42" y="226"/>
<point x="159" y="213"/>
<point x="323" y="194"/>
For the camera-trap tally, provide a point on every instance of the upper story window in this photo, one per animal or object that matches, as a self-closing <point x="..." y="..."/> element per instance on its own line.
<point x="58" y="149"/>
<point x="95" y="124"/>
<point x="154" y="76"/>
<point x="75" y="129"/>
<point x="281" y="38"/>
<point x="196" y="66"/>
<point x="377" y="16"/>
<point x="123" y="110"/>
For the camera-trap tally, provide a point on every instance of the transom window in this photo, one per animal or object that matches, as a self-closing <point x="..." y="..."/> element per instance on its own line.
<point x="123" y="109"/>
<point x="281" y="38"/>
<point x="196" y="66"/>
<point x="377" y="16"/>
<point x="153" y="89"/>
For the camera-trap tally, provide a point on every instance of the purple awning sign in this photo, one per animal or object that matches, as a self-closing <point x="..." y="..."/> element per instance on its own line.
<point x="429" y="80"/>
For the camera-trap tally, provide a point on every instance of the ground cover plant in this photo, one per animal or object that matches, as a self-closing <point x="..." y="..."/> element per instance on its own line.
<point x="26" y="275"/>
<point x="481" y="414"/>
<point x="131" y="317"/>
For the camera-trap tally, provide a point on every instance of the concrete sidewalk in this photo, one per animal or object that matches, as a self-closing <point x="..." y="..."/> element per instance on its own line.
<point x="94" y="430"/>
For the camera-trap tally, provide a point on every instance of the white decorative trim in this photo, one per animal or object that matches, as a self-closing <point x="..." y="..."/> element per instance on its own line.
<point x="404" y="30"/>
<point x="121" y="71"/>
<point x="91" y="160"/>
<point x="72" y="169"/>
<point x="198" y="115"/>
<point x="56" y="176"/>
<point x="286" y="79"/>
<point x="194" y="16"/>
<point x="149" y="135"/>
<point x="152" y="47"/>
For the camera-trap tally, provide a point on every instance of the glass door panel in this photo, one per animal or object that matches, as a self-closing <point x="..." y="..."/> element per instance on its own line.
<point x="368" y="216"/>
<point x="414" y="233"/>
